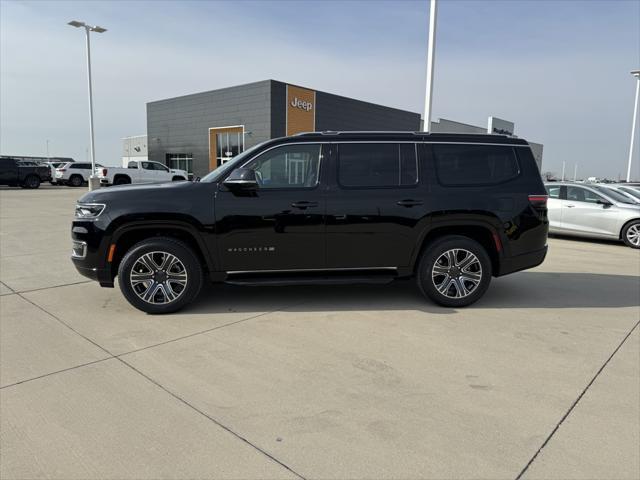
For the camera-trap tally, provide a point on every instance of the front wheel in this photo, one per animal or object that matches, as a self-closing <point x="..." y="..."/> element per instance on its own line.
<point x="454" y="271"/>
<point x="160" y="275"/>
<point x="631" y="234"/>
<point x="32" y="181"/>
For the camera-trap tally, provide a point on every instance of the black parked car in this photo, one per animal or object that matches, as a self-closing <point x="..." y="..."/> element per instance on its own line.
<point x="336" y="207"/>
<point x="25" y="174"/>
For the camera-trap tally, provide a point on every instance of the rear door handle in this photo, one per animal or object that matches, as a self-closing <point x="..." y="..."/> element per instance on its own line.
<point x="409" y="203"/>
<point x="303" y="205"/>
<point x="569" y="206"/>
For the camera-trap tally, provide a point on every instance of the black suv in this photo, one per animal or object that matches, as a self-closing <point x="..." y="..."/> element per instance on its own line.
<point x="335" y="207"/>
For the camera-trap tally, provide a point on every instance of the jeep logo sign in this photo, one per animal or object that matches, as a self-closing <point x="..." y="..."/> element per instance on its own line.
<point x="300" y="110"/>
<point x="297" y="103"/>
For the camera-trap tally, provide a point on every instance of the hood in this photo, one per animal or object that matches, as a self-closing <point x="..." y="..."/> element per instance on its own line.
<point x="629" y="206"/>
<point x="137" y="191"/>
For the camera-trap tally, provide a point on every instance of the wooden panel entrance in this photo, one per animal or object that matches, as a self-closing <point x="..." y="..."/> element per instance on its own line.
<point x="224" y="142"/>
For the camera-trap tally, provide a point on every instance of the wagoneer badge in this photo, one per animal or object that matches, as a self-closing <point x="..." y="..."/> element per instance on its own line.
<point x="252" y="249"/>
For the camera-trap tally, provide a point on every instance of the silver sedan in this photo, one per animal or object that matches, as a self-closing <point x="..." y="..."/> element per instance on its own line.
<point x="593" y="211"/>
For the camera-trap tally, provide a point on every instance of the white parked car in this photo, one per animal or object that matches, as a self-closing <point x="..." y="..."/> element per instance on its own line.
<point x="74" y="173"/>
<point x="593" y="211"/>
<point x="140" y="171"/>
<point x="629" y="190"/>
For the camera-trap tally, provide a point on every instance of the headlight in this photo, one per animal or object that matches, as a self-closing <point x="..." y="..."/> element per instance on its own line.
<point x="89" y="210"/>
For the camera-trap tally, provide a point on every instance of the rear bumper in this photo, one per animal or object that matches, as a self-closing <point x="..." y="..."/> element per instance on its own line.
<point x="522" y="262"/>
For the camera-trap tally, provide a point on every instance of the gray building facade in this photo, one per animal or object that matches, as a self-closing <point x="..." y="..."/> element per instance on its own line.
<point x="198" y="132"/>
<point x="203" y="130"/>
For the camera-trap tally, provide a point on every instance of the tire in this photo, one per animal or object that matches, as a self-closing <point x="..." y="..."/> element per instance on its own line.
<point x="631" y="234"/>
<point x="178" y="179"/>
<point x="152" y="290"/>
<point x="457" y="286"/>
<point x="32" y="181"/>
<point x="76" y="180"/>
<point x="122" y="180"/>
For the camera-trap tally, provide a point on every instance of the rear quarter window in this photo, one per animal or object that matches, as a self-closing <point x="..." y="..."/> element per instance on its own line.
<point x="460" y="165"/>
<point x="554" y="191"/>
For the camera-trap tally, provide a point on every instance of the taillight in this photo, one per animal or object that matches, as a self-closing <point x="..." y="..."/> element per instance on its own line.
<point x="538" y="201"/>
<point x="104" y="172"/>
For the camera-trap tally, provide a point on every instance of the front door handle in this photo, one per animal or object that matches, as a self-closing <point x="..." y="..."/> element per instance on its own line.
<point x="409" y="203"/>
<point x="303" y="205"/>
<point x="569" y="206"/>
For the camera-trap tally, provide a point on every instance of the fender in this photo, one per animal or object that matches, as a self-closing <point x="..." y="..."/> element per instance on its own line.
<point x="160" y="225"/>
<point x="459" y="219"/>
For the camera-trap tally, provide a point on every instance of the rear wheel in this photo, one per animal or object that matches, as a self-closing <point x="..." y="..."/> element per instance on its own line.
<point x="454" y="271"/>
<point x="32" y="181"/>
<point x="122" y="180"/>
<point x="631" y="234"/>
<point x="76" y="180"/>
<point x="178" y="179"/>
<point x="160" y="275"/>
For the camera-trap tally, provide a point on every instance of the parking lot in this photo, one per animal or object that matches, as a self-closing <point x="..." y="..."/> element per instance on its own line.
<point x="539" y="379"/>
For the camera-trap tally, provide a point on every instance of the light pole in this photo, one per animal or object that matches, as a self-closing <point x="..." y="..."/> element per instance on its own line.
<point x="90" y="28"/>
<point x="575" y="172"/>
<point x="430" y="61"/>
<point x="48" y="156"/>
<point x="563" y="165"/>
<point x="635" y="73"/>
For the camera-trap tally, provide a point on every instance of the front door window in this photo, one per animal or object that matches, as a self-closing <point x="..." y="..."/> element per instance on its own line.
<point x="289" y="166"/>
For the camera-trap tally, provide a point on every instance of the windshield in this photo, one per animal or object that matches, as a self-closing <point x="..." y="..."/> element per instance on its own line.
<point x="617" y="196"/>
<point x="218" y="173"/>
<point x="634" y="193"/>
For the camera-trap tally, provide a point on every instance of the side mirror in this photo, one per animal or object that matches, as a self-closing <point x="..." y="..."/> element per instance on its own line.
<point x="242" y="179"/>
<point x="604" y="203"/>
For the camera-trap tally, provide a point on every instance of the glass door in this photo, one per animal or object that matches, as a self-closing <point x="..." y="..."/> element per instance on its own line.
<point x="229" y="144"/>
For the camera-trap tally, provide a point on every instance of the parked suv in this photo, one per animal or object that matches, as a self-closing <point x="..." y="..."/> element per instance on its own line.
<point x="74" y="173"/>
<point x="25" y="174"/>
<point x="450" y="210"/>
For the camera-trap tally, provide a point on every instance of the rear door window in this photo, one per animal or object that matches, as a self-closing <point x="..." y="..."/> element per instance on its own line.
<point x="475" y="164"/>
<point x="377" y="164"/>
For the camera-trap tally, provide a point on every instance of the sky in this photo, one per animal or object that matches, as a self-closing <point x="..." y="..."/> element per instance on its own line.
<point x="558" y="69"/>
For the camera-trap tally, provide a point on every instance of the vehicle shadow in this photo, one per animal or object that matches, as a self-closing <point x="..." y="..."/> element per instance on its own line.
<point x="532" y="289"/>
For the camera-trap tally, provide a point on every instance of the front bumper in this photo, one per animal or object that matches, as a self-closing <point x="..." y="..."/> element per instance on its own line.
<point x="100" y="275"/>
<point x="90" y="244"/>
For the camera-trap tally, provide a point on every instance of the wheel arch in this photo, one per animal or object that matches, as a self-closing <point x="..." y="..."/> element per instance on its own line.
<point x="126" y="236"/>
<point x="482" y="231"/>
<point x="626" y="224"/>
<point x="121" y="175"/>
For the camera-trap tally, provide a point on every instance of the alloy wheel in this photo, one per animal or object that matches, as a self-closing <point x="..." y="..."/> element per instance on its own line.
<point x="633" y="234"/>
<point x="158" y="278"/>
<point x="456" y="273"/>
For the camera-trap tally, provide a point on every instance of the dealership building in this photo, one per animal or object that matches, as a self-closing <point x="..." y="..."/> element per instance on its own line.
<point x="198" y="132"/>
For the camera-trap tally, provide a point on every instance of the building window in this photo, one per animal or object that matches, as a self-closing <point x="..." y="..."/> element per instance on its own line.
<point x="180" y="161"/>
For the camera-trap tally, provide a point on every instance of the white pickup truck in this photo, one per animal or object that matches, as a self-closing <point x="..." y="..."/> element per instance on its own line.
<point x="140" y="171"/>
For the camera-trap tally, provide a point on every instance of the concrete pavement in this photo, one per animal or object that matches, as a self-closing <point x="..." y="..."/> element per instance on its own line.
<point x="540" y="379"/>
